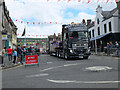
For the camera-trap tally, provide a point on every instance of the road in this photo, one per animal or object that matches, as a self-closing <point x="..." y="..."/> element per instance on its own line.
<point x="54" y="72"/>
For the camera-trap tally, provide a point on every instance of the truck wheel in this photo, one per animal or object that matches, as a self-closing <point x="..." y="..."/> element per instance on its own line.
<point x="59" y="55"/>
<point x="86" y="57"/>
<point x="66" y="56"/>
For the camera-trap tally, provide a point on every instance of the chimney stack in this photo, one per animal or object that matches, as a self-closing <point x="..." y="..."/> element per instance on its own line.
<point x="118" y="6"/>
<point x="88" y="21"/>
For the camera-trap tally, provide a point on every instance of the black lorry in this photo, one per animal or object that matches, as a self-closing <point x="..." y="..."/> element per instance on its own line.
<point x="75" y="42"/>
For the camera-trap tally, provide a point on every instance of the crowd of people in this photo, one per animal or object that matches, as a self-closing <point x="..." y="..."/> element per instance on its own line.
<point x="17" y="55"/>
<point x="111" y="46"/>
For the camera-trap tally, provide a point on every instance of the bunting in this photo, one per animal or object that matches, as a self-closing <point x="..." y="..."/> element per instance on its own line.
<point x="87" y="1"/>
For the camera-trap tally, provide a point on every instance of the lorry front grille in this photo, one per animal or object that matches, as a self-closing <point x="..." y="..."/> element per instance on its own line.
<point x="80" y="51"/>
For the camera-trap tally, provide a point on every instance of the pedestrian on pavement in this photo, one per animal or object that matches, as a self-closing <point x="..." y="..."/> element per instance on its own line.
<point x="19" y="54"/>
<point x="15" y="56"/>
<point x="117" y="48"/>
<point x="30" y="50"/>
<point x="3" y="54"/>
<point x="9" y="52"/>
<point x="116" y="45"/>
<point x="111" y="45"/>
<point x="108" y="48"/>
<point x="24" y="52"/>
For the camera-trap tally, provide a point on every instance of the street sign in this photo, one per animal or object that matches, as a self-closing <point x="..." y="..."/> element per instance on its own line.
<point x="31" y="60"/>
<point x="4" y="37"/>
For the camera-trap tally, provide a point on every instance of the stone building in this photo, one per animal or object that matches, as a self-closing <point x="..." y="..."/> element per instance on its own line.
<point x="8" y="28"/>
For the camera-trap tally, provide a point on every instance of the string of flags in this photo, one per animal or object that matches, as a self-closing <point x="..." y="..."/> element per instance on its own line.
<point x="37" y="22"/>
<point x="88" y="1"/>
<point x="31" y="40"/>
<point x="34" y="35"/>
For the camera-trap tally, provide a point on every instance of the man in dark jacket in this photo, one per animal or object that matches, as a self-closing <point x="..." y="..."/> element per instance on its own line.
<point x="19" y="54"/>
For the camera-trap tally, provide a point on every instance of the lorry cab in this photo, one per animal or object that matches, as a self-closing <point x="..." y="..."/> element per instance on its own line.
<point x="75" y="41"/>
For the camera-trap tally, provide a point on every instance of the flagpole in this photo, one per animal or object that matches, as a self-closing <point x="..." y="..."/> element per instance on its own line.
<point x="25" y="36"/>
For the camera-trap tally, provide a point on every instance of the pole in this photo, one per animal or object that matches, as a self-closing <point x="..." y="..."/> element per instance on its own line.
<point x="95" y="45"/>
<point x="25" y="36"/>
<point x="95" y="42"/>
<point x="1" y="12"/>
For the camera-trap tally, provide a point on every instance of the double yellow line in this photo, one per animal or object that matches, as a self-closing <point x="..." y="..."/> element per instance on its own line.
<point x="12" y="68"/>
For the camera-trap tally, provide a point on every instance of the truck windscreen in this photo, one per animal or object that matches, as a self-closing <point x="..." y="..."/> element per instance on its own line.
<point x="78" y="35"/>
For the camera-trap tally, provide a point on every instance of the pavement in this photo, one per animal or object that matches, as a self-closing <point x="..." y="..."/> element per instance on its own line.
<point x="8" y="64"/>
<point x="104" y="54"/>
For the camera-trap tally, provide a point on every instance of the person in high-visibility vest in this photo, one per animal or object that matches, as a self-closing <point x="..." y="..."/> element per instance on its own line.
<point x="45" y="51"/>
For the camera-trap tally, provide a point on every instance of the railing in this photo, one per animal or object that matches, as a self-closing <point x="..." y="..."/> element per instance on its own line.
<point x="108" y="51"/>
<point x="114" y="51"/>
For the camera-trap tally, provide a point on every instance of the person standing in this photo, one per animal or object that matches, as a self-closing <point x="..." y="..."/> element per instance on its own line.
<point x="15" y="56"/>
<point x="108" y="49"/>
<point x="9" y="52"/>
<point x="117" y="48"/>
<point x="19" y="54"/>
<point x="3" y="54"/>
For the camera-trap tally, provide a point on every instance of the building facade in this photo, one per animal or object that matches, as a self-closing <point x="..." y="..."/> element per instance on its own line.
<point x="41" y="43"/>
<point x="105" y="28"/>
<point x="1" y="28"/>
<point x="8" y="28"/>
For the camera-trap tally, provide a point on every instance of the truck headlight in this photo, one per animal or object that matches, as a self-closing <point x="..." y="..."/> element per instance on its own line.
<point x="85" y="44"/>
<point x="88" y="50"/>
<point x="71" y="51"/>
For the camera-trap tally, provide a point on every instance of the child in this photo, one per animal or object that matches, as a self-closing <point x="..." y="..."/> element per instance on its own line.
<point x="15" y="55"/>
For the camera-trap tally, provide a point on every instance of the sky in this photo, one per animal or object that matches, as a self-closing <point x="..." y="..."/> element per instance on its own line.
<point x="43" y="11"/>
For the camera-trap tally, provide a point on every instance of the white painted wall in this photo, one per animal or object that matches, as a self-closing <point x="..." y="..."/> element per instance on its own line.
<point x="115" y="24"/>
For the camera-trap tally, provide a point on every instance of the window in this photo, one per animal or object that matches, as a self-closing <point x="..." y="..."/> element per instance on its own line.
<point x="105" y="28"/>
<point x="90" y="34"/>
<point x="98" y="21"/>
<point x="93" y="32"/>
<point x="110" y="27"/>
<point x="98" y="30"/>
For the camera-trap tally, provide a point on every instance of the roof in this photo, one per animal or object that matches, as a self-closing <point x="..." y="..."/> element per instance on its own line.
<point x="90" y="25"/>
<point x="108" y="14"/>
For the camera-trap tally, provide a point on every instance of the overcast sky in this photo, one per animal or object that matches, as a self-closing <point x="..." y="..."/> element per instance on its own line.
<point x="52" y="11"/>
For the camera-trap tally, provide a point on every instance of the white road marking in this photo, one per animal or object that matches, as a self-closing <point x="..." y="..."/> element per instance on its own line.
<point x="71" y="64"/>
<point x="117" y="58"/>
<point x="50" y="68"/>
<point x="87" y="82"/>
<point x="59" y="67"/>
<point x="37" y="75"/>
<point x="49" y="62"/>
<point x="98" y="68"/>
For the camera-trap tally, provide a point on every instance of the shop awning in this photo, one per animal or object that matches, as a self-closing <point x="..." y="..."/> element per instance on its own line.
<point x="98" y="37"/>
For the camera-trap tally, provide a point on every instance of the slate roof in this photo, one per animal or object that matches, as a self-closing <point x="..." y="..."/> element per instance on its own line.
<point x="108" y="14"/>
<point x="90" y="25"/>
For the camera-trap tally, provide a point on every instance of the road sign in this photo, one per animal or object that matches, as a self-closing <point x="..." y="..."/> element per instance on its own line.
<point x="31" y="60"/>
